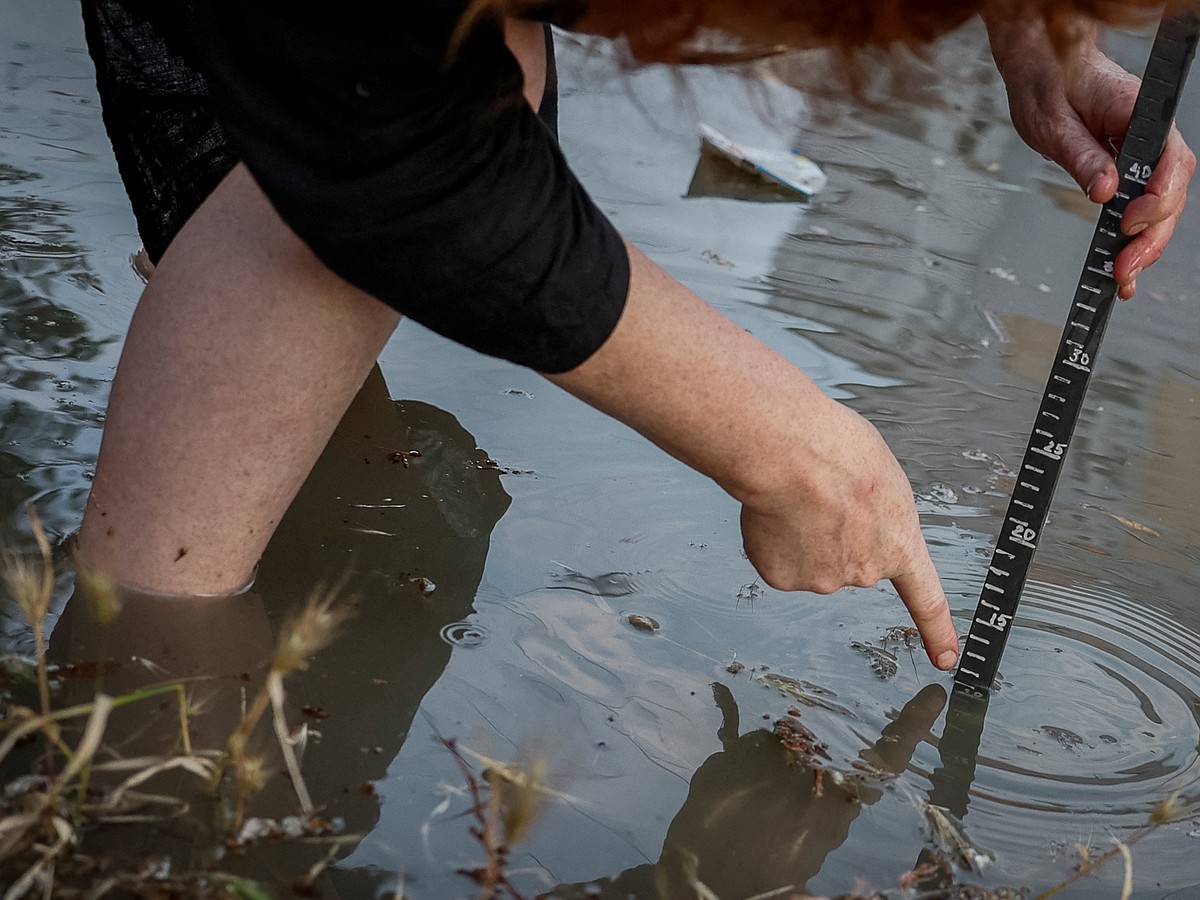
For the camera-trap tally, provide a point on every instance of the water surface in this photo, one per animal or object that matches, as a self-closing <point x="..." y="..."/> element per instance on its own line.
<point x="925" y="287"/>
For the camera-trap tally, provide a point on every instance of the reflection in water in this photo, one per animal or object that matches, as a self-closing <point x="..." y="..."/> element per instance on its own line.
<point x="51" y="407"/>
<point x="410" y="543"/>
<point x="764" y="812"/>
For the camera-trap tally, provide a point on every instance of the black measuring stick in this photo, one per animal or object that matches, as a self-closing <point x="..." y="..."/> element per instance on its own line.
<point x="1021" y="530"/>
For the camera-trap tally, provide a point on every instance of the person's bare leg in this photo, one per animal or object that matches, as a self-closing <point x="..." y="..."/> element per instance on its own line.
<point x="243" y="354"/>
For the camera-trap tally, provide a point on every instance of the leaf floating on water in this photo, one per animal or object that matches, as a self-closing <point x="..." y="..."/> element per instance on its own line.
<point x="882" y="663"/>
<point x="950" y="838"/>
<point x="1135" y="526"/>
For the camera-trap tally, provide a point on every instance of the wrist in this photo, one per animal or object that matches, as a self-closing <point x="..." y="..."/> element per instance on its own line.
<point x="1021" y="43"/>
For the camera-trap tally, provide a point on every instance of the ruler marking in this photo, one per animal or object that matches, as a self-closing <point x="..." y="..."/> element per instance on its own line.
<point x="1149" y="128"/>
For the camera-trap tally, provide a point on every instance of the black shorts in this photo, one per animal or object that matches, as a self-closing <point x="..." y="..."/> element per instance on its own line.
<point x="170" y="150"/>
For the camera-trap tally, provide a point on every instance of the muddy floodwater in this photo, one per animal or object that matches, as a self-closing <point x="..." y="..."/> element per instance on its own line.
<point x="540" y="585"/>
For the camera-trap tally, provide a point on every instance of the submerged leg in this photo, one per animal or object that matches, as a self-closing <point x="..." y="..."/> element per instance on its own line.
<point x="243" y="354"/>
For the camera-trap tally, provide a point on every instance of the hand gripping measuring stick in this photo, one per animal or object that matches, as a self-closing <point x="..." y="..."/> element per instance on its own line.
<point x="1021" y="530"/>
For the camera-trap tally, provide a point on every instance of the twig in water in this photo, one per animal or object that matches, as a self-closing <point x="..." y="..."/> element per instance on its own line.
<point x="1127" y="887"/>
<point x="1165" y="812"/>
<point x="491" y="877"/>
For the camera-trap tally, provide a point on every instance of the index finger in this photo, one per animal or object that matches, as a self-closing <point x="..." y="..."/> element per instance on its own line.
<point x="921" y="591"/>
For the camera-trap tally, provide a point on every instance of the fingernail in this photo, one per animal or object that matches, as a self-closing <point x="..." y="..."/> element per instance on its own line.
<point x="1092" y="185"/>
<point x="1138" y="228"/>
<point x="947" y="659"/>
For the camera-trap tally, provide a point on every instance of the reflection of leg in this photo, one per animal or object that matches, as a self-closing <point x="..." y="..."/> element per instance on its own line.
<point x="242" y="356"/>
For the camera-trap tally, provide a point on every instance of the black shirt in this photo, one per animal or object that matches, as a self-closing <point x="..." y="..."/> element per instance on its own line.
<point x="416" y="172"/>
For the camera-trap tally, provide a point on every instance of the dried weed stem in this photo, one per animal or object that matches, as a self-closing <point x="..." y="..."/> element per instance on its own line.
<point x="31" y="583"/>
<point x="491" y="876"/>
<point x="1166" y="811"/>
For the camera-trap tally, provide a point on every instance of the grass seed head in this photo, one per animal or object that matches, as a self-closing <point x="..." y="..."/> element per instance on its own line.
<point x="252" y="774"/>
<point x="309" y="631"/>
<point x="1168" y="810"/>
<point x="29" y="585"/>
<point x="100" y="591"/>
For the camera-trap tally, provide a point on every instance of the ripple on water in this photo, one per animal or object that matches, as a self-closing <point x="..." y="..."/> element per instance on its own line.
<point x="464" y="634"/>
<point x="1097" y="720"/>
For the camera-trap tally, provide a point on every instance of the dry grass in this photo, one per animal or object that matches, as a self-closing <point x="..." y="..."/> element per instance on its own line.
<point x="44" y="814"/>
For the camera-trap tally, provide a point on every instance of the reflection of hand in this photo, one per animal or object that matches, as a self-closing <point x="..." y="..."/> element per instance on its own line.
<point x="898" y="741"/>
<point x="1069" y="110"/>
<point x="758" y="816"/>
<point x="825" y="504"/>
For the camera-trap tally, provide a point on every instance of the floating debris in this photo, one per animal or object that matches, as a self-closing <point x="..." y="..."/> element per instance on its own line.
<point x="950" y="838"/>
<point x="403" y="456"/>
<point x="902" y="636"/>
<point x="785" y="167"/>
<point x="883" y="664"/>
<point x="1136" y="526"/>
<point x="642" y="623"/>
<point x="734" y="667"/>
<point x="796" y="736"/>
<point x="288" y="828"/>
<point x="1068" y="740"/>
<point x="803" y="692"/>
<point x="748" y="593"/>
<point x="716" y="259"/>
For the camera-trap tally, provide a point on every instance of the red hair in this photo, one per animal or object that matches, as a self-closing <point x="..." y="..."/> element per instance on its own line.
<point x="681" y="31"/>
